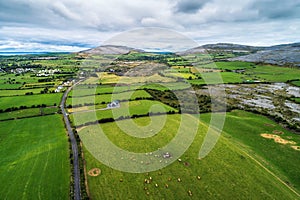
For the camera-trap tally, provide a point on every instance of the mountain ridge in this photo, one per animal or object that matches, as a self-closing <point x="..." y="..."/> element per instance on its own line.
<point x="282" y="54"/>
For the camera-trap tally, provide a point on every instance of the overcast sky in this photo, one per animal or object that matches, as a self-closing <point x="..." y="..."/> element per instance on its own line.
<point x="73" y="25"/>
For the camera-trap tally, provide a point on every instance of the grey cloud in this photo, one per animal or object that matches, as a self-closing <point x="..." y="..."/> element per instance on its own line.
<point x="14" y="11"/>
<point x="274" y="9"/>
<point x="189" y="6"/>
<point x="61" y="10"/>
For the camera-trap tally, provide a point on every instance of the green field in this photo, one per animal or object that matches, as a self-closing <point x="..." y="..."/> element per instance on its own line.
<point x="227" y="172"/>
<point x="34" y="161"/>
<point x="252" y="72"/>
<point x="26" y="78"/>
<point x="234" y="65"/>
<point x="297" y="100"/>
<point x="183" y="75"/>
<point x="296" y="83"/>
<point x="277" y="157"/>
<point x="227" y="65"/>
<point x="10" y="86"/>
<point x="5" y="93"/>
<point x="107" y="97"/>
<point x="274" y="73"/>
<point x="106" y="78"/>
<point x="218" y="78"/>
<point x="29" y="100"/>
<point x="28" y="113"/>
<point x="127" y="109"/>
<point x="85" y="90"/>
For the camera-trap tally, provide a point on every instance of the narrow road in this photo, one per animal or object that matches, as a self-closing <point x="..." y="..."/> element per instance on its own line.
<point x="76" y="171"/>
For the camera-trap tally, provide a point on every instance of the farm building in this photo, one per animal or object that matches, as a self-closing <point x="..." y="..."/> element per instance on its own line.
<point x="114" y="104"/>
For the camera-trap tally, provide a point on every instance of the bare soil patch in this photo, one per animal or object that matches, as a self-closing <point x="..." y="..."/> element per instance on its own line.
<point x="269" y="125"/>
<point x="94" y="172"/>
<point x="269" y="136"/>
<point x="277" y="139"/>
<point x="80" y="128"/>
<point x="297" y="148"/>
<point x="278" y="132"/>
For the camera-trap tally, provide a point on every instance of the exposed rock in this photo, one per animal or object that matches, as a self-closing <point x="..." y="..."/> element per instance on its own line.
<point x="276" y="55"/>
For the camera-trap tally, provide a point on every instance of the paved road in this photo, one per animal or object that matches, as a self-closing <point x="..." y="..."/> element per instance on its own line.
<point x="73" y="143"/>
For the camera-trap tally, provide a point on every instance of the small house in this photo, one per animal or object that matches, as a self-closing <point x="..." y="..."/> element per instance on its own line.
<point x="114" y="104"/>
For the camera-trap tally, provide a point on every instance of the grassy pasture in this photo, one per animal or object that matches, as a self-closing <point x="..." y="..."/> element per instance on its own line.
<point x="27" y="78"/>
<point x="106" y="78"/>
<point x="252" y="72"/>
<point x="297" y="100"/>
<point x="227" y="172"/>
<point x="4" y="93"/>
<point x="279" y="158"/>
<point x="181" y="69"/>
<point x="226" y="65"/>
<point x="183" y="75"/>
<point x="296" y="83"/>
<point x="218" y="78"/>
<point x="234" y="65"/>
<point x="29" y="100"/>
<point x="27" y="113"/>
<point x="274" y="73"/>
<point x="10" y="86"/>
<point x="84" y="90"/>
<point x="40" y="85"/>
<point x="167" y="86"/>
<point x="107" y="97"/>
<point x="34" y="159"/>
<point x="126" y="109"/>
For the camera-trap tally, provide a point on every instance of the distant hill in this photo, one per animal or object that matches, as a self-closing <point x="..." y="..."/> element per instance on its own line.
<point x="222" y="47"/>
<point x="109" y="50"/>
<point x="232" y="47"/>
<point x="285" y="54"/>
<point x="288" y="54"/>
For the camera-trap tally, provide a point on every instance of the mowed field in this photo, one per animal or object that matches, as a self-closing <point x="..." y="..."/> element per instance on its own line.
<point x="34" y="159"/>
<point x="228" y="172"/>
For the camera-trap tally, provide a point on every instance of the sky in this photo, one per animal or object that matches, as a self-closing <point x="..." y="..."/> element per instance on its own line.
<point x="74" y="25"/>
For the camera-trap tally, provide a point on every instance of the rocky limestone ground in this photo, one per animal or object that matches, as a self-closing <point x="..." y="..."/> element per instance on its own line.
<point x="271" y="99"/>
<point x="276" y="55"/>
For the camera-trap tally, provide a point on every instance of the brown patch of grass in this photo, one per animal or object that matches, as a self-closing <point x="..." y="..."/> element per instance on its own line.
<point x="278" y="132"/>
<point x="269" y="125"/>
<point x="94" y="172"/>
<point x="277" y="139"/>
<point x="297" y="148"/>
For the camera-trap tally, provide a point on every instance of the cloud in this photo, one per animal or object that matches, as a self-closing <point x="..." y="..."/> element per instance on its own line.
<point x="89" y="23"/>
<point x="189" y="6"/>
<point x="273" y="9"/>
<point x="14" y="46"/>
<point x="60" y="9"/>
